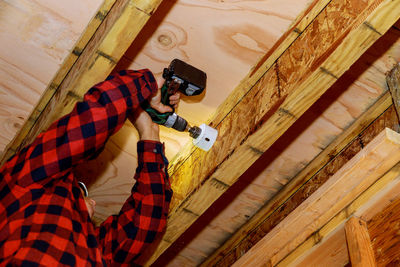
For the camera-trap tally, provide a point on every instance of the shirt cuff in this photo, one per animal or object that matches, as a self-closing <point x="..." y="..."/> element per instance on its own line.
<point x="151" y="151"/>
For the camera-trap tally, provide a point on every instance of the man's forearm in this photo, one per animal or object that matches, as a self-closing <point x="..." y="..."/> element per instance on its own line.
<point x="82" y="133"/>
<point x="143" y="216"/>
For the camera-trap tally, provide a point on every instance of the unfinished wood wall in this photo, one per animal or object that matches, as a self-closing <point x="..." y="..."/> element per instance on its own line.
<point x="35" y="37"/>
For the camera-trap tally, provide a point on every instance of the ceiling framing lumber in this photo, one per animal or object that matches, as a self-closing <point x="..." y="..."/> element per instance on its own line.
<point x="330" y="251"/>
<point x="335" y="39"/>
<point x="106" y="39"/>
<point x="380" y="195"/>
<point x="359" y="243"/>
<point x="383" y="229"/>
<point x="379" y="156"/>
<point x="15" y="144"/>
<point x="343" y="148"/>
<point x="393" y="81"/>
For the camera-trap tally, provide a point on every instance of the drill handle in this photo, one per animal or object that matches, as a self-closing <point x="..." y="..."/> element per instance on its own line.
<point x="156" y="116"/>
<point x="166" y="92"/>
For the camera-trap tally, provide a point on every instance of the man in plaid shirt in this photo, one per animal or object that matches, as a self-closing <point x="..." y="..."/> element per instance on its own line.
<point x="44" y="217"/>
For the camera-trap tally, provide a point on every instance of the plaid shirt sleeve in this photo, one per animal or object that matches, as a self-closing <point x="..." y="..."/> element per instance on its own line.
<point x="127" y="236"/>
<point x="82" y="133"/>
<point x="41" y="208"/>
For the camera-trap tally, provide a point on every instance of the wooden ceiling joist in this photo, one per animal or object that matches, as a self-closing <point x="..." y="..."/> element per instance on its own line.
<point x="383" y="230"/>
<point x="351" y="180"/>
<point x="359" y="243"/>
<point x="378" y="196"/>
<point x="335" y="39"/>
<point x="343" y="148"/>
<point x="106" y="39"/>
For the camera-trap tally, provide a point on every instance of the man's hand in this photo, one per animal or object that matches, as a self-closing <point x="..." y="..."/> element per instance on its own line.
<point x="155" y="102"/>
<point x="148" y="130"/>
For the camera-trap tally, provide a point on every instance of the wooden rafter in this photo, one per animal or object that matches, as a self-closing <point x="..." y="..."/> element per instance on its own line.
<point x="393" y="81"/>
<point x="106" y="39"/>
<point x="379" y="156"/>
<point x="359" y="243"/>
<point x="340" y="33"/>
<point x="383" y="229"/>
<point x="308" y="180"/>
<point x="378" y="196"/>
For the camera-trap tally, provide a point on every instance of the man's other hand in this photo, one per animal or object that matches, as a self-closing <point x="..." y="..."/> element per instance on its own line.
<point x="148" y="130"/>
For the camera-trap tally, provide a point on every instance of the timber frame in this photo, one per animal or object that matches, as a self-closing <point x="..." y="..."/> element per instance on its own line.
<point x="350" y="142"/>
<point x="264" y="106"/>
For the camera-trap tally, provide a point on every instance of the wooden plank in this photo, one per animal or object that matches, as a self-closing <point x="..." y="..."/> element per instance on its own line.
<point x="264" y="223"/>
<point x="368" y="204"/>
<point x="379" y="156"/>
<point x="393" y="81"/>
<point x="384" y="232"/>
<point x="359" y="243"/>
<point x="33" y="32"/>
<point x="331" y="250"/>
<point x="267" y="110"/>
<point x="308" y="180"/>
<point x="126" y="18"/>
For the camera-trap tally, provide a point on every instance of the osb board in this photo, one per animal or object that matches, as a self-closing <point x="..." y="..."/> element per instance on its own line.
<point x="334" y="112"/>
<point x="36" y="37"/>
<point x="224" y="39"/>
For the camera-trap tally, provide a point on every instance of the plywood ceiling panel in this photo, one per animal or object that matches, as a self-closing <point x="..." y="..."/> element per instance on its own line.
<point x="36" y="37"/>
<point x="223" y="38"/>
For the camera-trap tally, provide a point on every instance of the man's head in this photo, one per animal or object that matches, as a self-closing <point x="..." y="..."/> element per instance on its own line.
<point x="90" y="203"/>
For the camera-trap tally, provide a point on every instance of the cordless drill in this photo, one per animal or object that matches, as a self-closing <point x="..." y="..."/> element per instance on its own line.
<point x="190" y="81"/>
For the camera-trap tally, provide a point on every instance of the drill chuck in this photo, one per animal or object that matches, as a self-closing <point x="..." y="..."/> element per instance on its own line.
<point x="194" y="132"/>
<point x="176" y="122"/>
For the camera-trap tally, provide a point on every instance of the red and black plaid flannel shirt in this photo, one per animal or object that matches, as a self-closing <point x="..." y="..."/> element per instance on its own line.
<point x="43" y="217"/>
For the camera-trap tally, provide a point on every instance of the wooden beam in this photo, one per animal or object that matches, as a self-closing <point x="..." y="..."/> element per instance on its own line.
<point x="384" y="232"/>
<point x="106" y="39"/>
<point x="341" y="150"/>
<point x="14" y="145"/>
<point x="298" y="78"/>
<point x="379" y="156"/>
<point x="359" y="243"/>
<point x="329" y="250"/>
<point x="366" y="206"/>
<point x="393" y="81"/>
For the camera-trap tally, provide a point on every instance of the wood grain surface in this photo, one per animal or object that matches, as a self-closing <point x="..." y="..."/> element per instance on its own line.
<point x="36" y="37"/>
<point x="371" y="202"/>
<point x="384" y="233"/>
<point x="334" y="112"/>
<point x="330" y="198"/>
<point x="359" y="243"/>
<point x="268" y="101"/>
<point x="223" y="38"/>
